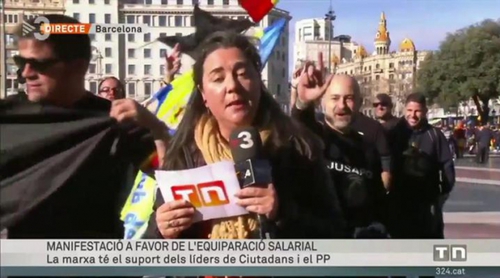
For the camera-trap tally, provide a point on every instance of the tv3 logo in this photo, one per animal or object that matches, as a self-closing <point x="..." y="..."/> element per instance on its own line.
<point x="454" y="253"/>
<point x="245" y="140"/>
<point x="207" y="194"/>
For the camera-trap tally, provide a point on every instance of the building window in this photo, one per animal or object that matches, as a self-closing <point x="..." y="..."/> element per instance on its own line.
<point x="92" y="37"/>
<point x="278" y="89"/>
<point x="162" y="20"/>
<point x="107" y="37"/>
<point x="164" y="2"/>
<point x="284" y="73"/>
<point x="93" y="87"/>
<point x="91" y="1"/>
<point x="147" y="89"/>
<point x="107" y="2"/>
<point x="76" y="16"/>
<point x="178" y="34"/>
<point x="210" y="2"/>
<point x="191" y="21"/>
<point x="225" y="2"/>
<point x="377" y="77"/>
<point x="130" y="19"/>
<point x="147" y="37"/>
<point x="91" y="18"/>
<point x="163" y="53"/>
<point x="377" y="66"/>
<point x="194" y="2"/>
<point x="162" y="70"/>
<point x="131" y="53"/>
<point x="147" y="53"/>
<point x="178" y="21"/>
<point x="130" y="37"/>
<point x="107" y="18"/>
<point x="180" y="2"/>
<point x="131" y="90"/>
<point x="146" y="20"/>
<point x="391" y="65"/>
<point x="108" y="68"/>
<point x="163" y="35"/>
<point x="131" y="69"/>
<point x="147" y="69"/>
<point x="107" y="52"/>
<point x="92" y="68"/>
<point x="76" y="1"/>
<point x="391" y="76"/>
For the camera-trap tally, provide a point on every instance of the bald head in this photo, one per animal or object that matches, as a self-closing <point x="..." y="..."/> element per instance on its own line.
<point x="345" y="84"/>
<point x="341" y="99"/>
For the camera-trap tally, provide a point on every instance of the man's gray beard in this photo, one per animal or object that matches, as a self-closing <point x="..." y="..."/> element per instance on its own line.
<point x="331" y="124"/>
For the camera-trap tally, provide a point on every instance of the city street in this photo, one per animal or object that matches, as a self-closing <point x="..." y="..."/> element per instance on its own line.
<point x="473" y="210"/>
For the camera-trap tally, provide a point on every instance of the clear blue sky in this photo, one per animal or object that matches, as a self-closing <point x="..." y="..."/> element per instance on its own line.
<point x="426" y="22"/>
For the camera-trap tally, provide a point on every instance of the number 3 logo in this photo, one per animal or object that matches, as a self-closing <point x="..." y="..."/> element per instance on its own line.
<point x="246" y="137"/>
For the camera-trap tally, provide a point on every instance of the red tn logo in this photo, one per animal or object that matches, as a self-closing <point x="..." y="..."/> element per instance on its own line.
<point x="207" y="194"/>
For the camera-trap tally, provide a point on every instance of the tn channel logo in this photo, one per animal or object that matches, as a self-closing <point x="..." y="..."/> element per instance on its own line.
<point x="447" y="253"/>
<point x="35" y="29"/>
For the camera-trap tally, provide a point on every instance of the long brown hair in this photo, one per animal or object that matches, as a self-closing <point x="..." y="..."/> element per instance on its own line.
<point x="285" y="132"/>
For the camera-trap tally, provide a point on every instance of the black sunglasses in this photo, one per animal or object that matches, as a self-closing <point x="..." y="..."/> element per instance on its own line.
<point x="39" y="65"/>
<point x="383" y="104"/>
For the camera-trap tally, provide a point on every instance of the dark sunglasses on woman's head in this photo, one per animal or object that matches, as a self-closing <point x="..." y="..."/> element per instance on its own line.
<point x="39" y="65"/>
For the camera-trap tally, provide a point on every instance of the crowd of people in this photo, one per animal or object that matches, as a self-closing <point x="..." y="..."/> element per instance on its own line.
<point x="336" y="172"/>
<point x="472" y="139"/>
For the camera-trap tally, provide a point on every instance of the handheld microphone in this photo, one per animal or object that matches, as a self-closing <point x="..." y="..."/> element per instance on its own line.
<point x="251" y="168"/>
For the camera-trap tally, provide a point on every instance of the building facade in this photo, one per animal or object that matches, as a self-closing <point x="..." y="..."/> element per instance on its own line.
<point x="13" y="13"/>
<point x="384" y="71"/>
<point x="312" y="41"/>
<point x="140" y="62"/>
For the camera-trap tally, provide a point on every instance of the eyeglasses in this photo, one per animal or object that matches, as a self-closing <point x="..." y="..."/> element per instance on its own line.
<point x="107" y="91"/>
<point x="39" y="65"/>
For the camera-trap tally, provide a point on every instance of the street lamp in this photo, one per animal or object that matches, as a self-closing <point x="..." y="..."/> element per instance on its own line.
<point x="329" y="18"/>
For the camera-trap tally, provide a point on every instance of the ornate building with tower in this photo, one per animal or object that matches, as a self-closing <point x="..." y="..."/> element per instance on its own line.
<point x="385" y="70"/>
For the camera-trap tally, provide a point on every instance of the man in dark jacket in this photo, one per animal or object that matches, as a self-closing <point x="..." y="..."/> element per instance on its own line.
<point x="74" y="183"/>
<point x="423" y="174"/>
<point x="353" y="161"/>
<point x="483" y="138"/>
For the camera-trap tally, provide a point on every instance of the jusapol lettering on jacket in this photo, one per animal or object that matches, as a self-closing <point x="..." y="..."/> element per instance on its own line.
<point x="340" y="167"/>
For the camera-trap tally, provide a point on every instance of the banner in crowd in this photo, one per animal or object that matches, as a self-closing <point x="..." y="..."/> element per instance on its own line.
<point x="250" y="257"/>
<point x="169" y="104"/>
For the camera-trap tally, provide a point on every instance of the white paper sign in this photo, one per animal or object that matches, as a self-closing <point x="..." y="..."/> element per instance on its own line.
<point x="209" y="188"/>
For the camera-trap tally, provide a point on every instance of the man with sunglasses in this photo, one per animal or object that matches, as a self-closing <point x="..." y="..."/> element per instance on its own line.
<point x="383" y="111"/>
<point x="54" y="70"/>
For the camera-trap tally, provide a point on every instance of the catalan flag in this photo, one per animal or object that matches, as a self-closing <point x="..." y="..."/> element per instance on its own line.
<point x="168" y="104"/>
<point x="258" y="9"/>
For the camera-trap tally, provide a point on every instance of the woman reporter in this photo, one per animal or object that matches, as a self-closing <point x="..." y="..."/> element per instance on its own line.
<point x="301" y="201"/>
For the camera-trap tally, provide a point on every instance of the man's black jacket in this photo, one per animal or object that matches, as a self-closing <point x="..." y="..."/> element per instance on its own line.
<point x="62" y="170"/>
<point x="430" y="141"/>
